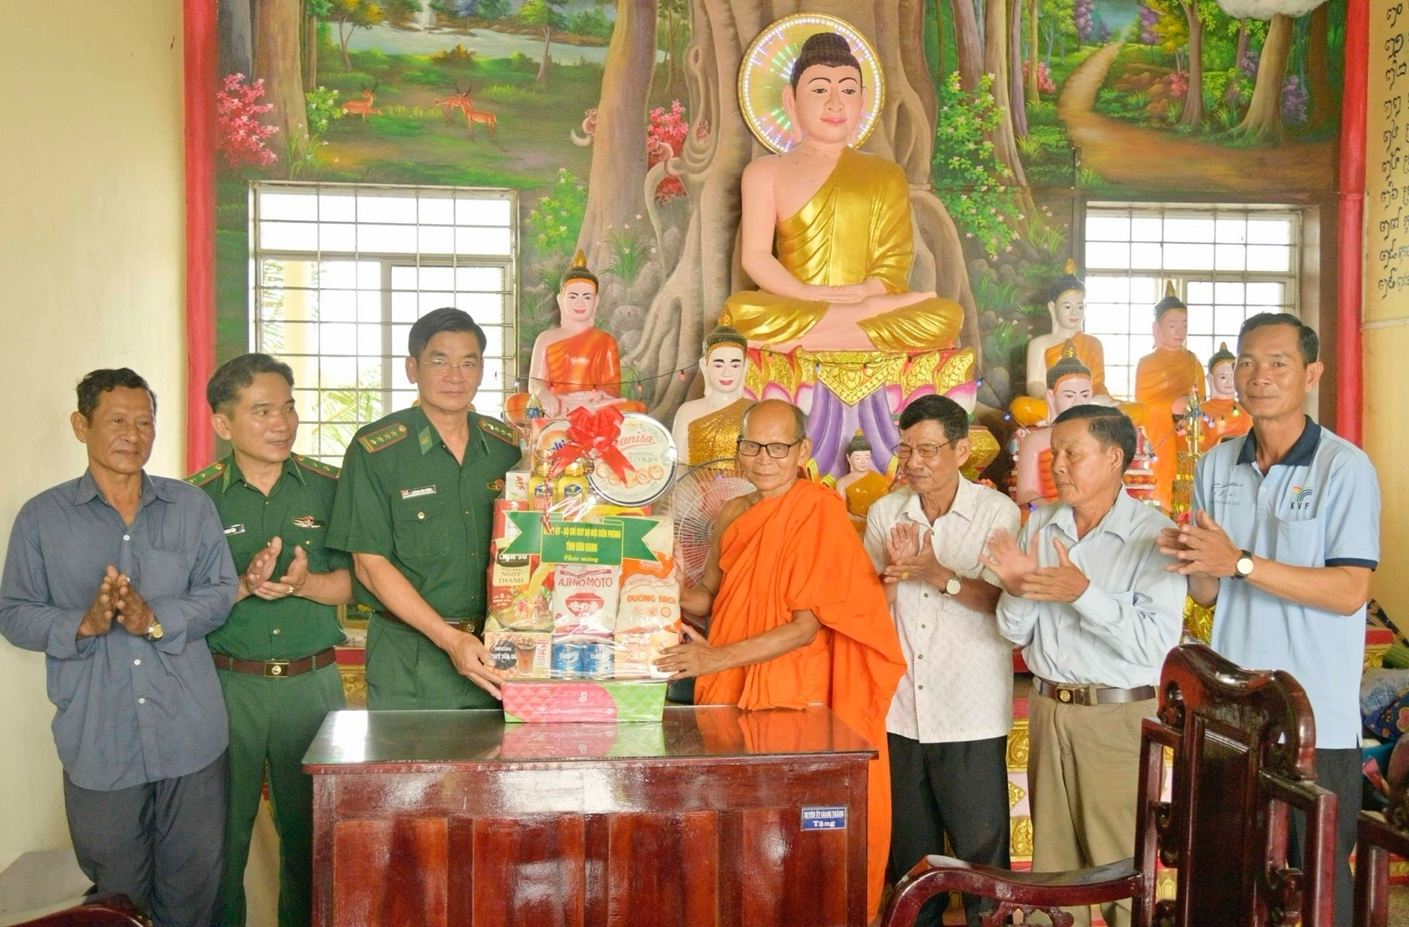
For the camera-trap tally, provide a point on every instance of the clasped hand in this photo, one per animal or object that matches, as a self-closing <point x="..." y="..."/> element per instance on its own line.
<point x="1020" y="574"/>
<point x="116" y="599"/>
<point x="910" y="556"/>
<point x="257" y="576"/>
<point x="1202" y="546"/>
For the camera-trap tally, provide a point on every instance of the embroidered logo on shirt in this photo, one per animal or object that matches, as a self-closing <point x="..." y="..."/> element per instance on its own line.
<point x="1301" y="498"/>
<point x="422" y="491"/>
<point x="307" y="521"/>
<point x="234" y="529"/>
<point x="495" y="486"/>
<point x="1226" y="492"/>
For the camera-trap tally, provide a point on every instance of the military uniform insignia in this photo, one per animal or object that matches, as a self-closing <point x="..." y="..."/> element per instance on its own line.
<point x="201" y="477"/>
<point x="307" y="521"/>
<point x="495" y="486"/>
<point x="232" y="530"/>
<point x="381" y="440"/>
<point x="319" y="467"/>
<point x="499" y="430"/>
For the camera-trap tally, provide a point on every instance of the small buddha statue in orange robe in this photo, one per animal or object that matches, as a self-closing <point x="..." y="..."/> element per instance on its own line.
<point x="863" y="484"/>
<point x="1069" y="384"/>
<point x="1224" y="416"/>
<point x="1164" y="379"/>
<point x="1067" y="308"/>
<point x="575" y="364"/>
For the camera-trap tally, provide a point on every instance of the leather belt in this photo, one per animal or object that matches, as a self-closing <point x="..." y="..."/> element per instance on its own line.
<point x="276" y="669"/>
<point x="468" y="625"/>
<point x="1072" y="694"/>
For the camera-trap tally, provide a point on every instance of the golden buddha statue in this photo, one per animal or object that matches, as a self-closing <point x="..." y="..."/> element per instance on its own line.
<point x="1068" y="384"/>
<point x="826" y="230"/>
<point x="707" y="429"/>
<point x="862" y="485"/>
<point x="1223" y="416"/>
<point x="575" y="363"/>
<point x="1067" y="308"/>
<point x="1164" y="379"/>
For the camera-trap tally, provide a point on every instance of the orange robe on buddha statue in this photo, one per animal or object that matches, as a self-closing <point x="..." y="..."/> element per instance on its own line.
<point x="588" y="360"/>
<point x="799" y="552"/>
<point x="1163" y="378"/>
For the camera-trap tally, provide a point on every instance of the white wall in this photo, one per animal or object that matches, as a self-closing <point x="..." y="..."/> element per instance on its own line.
<point x="91" y="275"/>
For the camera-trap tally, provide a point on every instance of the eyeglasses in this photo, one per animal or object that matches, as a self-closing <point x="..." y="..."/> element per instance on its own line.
<point x="440" y="365"/>
<point x="923" y="451"/>
<point x="777" y="450"/>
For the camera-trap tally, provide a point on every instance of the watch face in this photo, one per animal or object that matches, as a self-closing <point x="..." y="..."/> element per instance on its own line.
<point x="1244" y="566"/>
<point x="953" y="586"/>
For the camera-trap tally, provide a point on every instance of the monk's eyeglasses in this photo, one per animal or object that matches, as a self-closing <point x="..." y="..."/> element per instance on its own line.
<point x="923" y="451"/>
<point x="777" y="450"/>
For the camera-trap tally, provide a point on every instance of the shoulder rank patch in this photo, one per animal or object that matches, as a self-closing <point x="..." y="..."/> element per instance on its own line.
<point x="499" y="430"/>
<point x="318" y="466"/>
<point x="380" y="440"/>
<point x="201" y="477"/>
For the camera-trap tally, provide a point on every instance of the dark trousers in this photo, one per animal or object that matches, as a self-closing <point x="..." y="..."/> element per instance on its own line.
<point x="272" y="722"/>
<point x="406" y="671"/>
<point x="159" y="843"/>
<point x="1338" y="771"/>
<point x="958" y="789"/>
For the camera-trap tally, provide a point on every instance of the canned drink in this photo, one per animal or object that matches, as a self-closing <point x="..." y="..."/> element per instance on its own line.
<point x="567" y="659"/>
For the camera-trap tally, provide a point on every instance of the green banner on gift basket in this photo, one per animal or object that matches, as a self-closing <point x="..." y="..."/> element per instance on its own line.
<point x="582" y="541"/>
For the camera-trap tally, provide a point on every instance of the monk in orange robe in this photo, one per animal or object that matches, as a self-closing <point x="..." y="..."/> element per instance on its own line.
<point x="799" y="615"/>
<point x="576" y="364"/>
<point x="1164" y="379"/>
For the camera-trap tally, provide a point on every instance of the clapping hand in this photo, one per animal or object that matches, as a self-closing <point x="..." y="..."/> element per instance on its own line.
<point x="133" y="612"/>
<point x="1061" y="583"/>
<point x="1008" y="561"/>
<point x="98" y="619"/>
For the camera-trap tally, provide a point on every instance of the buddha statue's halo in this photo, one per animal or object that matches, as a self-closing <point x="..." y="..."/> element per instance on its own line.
<point x="768" y="67"/>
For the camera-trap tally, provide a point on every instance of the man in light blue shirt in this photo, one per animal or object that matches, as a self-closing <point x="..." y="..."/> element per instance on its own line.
<point x="1089" y="599"/>
<point x="117" y="577"/>
<point x="1286" y="533"/>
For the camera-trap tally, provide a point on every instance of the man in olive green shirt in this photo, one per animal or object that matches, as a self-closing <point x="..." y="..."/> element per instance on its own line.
<point x="274" y="655"/>
<point x="414" y="508"/>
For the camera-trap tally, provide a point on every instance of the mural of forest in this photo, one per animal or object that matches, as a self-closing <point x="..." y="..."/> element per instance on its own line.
<point x="618" y="124"/>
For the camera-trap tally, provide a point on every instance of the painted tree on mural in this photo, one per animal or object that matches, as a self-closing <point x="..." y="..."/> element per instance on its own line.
<point x="276" y="60"/>
<point x="711" y="163"/>
<point x="546" y="15"/>
<point x="1263" y="121"/>
<point x="615" y="187"/>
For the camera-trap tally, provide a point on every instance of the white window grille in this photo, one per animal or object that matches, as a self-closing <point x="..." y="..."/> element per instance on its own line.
<point x="1227" y="263"/>
<point x="341" y="271"/>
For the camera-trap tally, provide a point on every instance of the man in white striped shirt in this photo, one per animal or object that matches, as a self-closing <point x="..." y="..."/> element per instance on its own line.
<point x="948" y="724"/>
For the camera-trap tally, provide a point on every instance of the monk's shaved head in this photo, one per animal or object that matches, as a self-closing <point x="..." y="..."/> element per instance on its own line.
<point x="771" y="408"/>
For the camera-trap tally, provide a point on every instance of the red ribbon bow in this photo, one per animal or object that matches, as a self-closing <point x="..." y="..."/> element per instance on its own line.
<point x="593" y="434"/>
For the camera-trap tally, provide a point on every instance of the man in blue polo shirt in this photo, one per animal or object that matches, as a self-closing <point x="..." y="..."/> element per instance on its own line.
<point x="1286" y="533"/>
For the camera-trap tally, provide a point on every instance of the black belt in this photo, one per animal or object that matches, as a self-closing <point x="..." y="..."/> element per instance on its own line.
<point x="468" y="625"/>
<point x="277" y="669"/>
<point x="1074" y="694"/>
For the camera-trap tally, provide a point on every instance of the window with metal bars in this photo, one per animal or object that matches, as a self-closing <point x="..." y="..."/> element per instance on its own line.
<point x="1226" y="263"/>
<point x="341" y="272"/>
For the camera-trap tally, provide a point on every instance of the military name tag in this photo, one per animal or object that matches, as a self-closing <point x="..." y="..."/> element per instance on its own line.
<point x="234" y="529"/>
<point x="414" y="493"/>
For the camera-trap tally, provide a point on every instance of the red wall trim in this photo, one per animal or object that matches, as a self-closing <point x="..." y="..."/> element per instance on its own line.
<point x="1350" y="387"/>
<point x="201" y="83"/>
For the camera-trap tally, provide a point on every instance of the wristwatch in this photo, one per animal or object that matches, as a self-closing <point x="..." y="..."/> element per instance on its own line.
<point x="1243" y="568"/>
<point x="952" y="587"/>
<point x="154" y="631"/>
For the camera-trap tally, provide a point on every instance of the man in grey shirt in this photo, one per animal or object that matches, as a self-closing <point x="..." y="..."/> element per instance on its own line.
<point x="117" y="577"/>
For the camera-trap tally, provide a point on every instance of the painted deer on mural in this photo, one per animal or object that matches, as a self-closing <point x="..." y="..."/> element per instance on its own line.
<point x="461" y="101"/>
<point x="362" y="107"/>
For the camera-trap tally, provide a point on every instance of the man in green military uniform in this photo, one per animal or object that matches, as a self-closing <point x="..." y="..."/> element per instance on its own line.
<point x="414" y="508"/>
<point x="274" y="655"/>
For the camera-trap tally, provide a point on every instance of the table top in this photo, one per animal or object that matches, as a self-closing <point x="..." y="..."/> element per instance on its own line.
<point x="372" y="739"/>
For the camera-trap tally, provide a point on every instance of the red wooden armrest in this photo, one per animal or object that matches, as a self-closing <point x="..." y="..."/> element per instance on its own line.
<point x="1026" y="891"/>
<point x="97" y="911"/>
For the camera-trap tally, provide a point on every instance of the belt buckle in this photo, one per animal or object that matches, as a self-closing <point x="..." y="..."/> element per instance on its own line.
<point x="277" y="668"/>
<point x="1074" y="694"/>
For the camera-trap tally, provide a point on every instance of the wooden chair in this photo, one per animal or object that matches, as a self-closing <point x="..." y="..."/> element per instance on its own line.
<point x="1377" y="837"/>
<point x="1243" y="746"/>
<point x="95" y="911"/>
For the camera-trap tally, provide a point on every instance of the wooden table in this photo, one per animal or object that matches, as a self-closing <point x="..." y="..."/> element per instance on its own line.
<point x="714" y="816"/>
